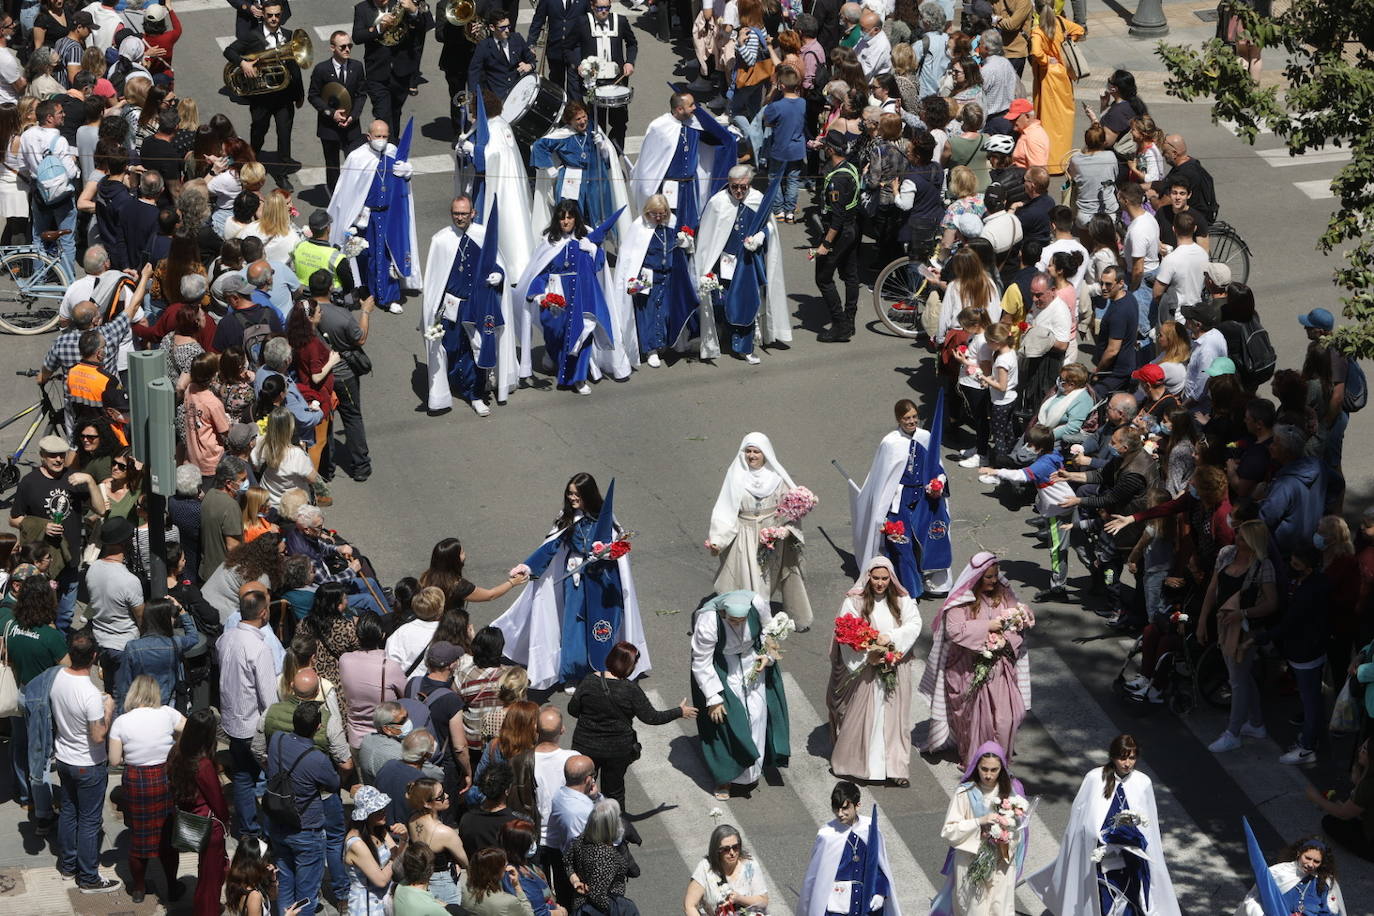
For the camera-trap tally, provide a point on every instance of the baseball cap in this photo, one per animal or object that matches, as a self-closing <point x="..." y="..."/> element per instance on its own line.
<point x="116" y="530"/>
<point x="1150" y="374"/>
<point x="1222" y="365"/>
<point x="1320" y="319"/>
<point x="1218" y="273"/>
<point x="442" y="654"/>
<point x="104" y="88"/>
<point x="319" y="222"/>
<point x="1175" y="377"/>
<point x="115" y="398"/>
<point x="233" y="285"/>
<point x="1207" y="312"/>
<point x="1018" y="108"/>
<point x="82" y="19"/>
<point x="968" y="225"/>
<point x="52" y="445"/>
<point x="836" y="141"/>
<point x="155" y="13"/>
<point x="241" y="435"/>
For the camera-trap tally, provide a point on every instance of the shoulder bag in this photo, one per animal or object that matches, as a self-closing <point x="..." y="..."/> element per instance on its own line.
<point x="191" y="832"/>
<point x="1072" y="55"/>
<point x="9" y="683"/>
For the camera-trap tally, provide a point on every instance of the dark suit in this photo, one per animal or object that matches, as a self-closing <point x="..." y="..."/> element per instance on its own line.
<point x="493" y="71"/>
<point x="334" y="139"/>
<point x="455" y="56"/>
<point x="624" y="48"/>
<point x="563" y="50"/>
<point x="390" y="68"/>
<point x="273" y="106"/>
<point x="245" y="23"/>
<point x="827" y="13"/>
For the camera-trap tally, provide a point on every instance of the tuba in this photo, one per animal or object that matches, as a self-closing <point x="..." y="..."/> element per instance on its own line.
<point x="463" y="14"/>
<point x="398" y="30"/>
<point x="273" y="73"/>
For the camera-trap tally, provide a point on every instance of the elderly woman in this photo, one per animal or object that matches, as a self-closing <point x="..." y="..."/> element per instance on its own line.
<point x="755" y="482"/>
<point x="963" y="191"/>
<point x="158" y="650"/>
<point x="42" y="84"/>
<point x="597" y="864"/>
<point x="727" y="878"/>
<point x="140" y="741"/>
<point x="869" y="695"/>
<point x="648" y="259"/>
<point x="1067" y="405"/>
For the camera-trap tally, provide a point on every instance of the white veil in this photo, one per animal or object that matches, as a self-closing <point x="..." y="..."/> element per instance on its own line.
<point x="739" y="478"/>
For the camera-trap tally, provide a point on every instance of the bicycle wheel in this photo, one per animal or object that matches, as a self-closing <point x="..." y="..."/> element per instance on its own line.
<point x="899" y="297"/>
<point x="1230" y="249"/>
<point x="31" y="288"/>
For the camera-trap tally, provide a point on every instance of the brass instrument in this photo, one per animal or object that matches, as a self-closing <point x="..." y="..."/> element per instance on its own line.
<point x="464" y="13"/>
<point x="273" y="73"/>
<point x="397" y="31"/>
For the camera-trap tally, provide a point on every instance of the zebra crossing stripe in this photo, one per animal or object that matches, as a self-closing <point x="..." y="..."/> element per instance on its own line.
<point x="1280" y="158"/>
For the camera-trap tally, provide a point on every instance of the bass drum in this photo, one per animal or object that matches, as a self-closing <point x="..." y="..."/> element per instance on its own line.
<point x="533" y="107"/>
<point x="613" y="96"/>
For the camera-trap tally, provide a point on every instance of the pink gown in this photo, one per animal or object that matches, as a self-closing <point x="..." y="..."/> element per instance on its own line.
<point x="993" y="712"/>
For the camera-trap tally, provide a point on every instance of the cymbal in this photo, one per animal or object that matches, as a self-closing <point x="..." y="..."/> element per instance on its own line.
<point x="336" y="96"/>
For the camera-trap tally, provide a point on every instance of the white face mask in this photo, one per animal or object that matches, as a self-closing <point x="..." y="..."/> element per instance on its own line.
<point x="377" y="144"/>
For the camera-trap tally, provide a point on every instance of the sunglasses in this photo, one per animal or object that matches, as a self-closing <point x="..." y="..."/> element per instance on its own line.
<point x="723" y="850"/>
<point x="90" y="437"/>
<point x="503" y="28"/>
<point x="343" y="47"/>
<point x="119" y="465"/>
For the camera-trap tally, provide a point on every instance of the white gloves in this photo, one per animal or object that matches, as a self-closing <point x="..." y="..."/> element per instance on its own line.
<point x="493" y="279"/>
<point x="467" y="147"/>
<point x="363" y="217"/>
<point x="685" y="242"/>
<point x="402" y="169"/>
<point x="587" y="245"/>
<point x="876" y="903"/>
<point x="754" y="242"/>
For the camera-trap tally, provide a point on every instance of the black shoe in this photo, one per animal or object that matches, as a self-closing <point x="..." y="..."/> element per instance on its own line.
<point x="361" y="477"/>
<point x="1124" y="623"/>
<point x="136" y="896"/>
<point x="285" y="183"/>
<point x="43" y="827"/>
<point x="1054" y="593"/>
<point x="99" y="886"/>
<point x="839" y="332"/>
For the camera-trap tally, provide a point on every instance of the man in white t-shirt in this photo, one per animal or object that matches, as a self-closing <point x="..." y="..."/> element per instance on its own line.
<point x="1179" y="281"/>
<point x="549" y="757"/>
<point x="1050" y="311"/>
<point x="12" y="81"/>
<point x="1141" y="247"/>
<point x="1061" y="225"/>
<point x="81" y="716"/>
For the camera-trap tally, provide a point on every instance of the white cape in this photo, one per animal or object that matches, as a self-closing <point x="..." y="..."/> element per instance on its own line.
<point x="545" y="179"/>
<point x="533" y="625"/>
<point x="655" y="155"/>
<point x="717" y="219"/>
<point x="443" y="247"/>
<point x="1068" y="886"/>
<point x="634" y="244"/>
<point x="870" y="504"/>
<point x="350" y="199"/>
<point x="1285" y="875"/>
<point x="831" y="841"/>
<point x="609" y="356"/>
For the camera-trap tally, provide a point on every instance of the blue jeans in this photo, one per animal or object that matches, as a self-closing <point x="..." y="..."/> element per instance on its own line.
<point x="67" y="583"/>
<point x="1335" y="441"/>
<point x="1153" y="584"/>
<point x="79" y="825"/>
<point x="245" y="779"/>
<point x="333" y="846"/>
<point x="300" y="869"/>
<point x="791" y="182"/>
<point x="19" y="758"/>
<point x="1310" y="692"/>
<point x="57" y="216"/>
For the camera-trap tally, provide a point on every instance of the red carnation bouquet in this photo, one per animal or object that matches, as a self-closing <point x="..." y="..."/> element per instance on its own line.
<point x="895" y="532"/>
<point x="552" y="301"/>
<point x="856" y="633"/>
<point x="612" y="551"/>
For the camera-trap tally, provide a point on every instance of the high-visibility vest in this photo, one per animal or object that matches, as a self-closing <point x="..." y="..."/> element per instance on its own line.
<point x="86" y="384"/>
<point x="309" y="256"/>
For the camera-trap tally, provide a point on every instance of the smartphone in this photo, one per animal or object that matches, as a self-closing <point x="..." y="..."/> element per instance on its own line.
<point x="299" y="904"/>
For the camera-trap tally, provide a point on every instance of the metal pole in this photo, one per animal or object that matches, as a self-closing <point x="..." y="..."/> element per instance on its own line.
<point x="157" y="545"/>
<point x="1149" y="20"/>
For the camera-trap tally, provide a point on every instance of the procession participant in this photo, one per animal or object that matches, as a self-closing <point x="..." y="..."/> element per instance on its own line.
<point x="609" y="37"/>
<point x="886" y="511"/>
<point x="562" y="284"/>
<point x="987" y="782"/>
<point x="755" y="482"/>
<point x="685" y="156"/>
<point x="1306" y="881"/>
<point x="455" y="56"/>
<point x="869" y="695"/>
<point x="1114" y="811"/>
<point x="248" y="16"/>
<point x="966" y="705"/>
<point x="738" y="685"/>
<point x="582" y="601"/>
<point x="278" y="106"/>
<point x="467" y="346"/>
<point x="373" y="200"/>
<point x="727" y="246"/>
<point x="381" y="27"/>
<point x="579" y="165"/>
<point x="501" y="59"/>
<point x="653" y="280"/>
<point x="562" y="47"/>
<point x="338" y="129"/>
<point x="835" y="883"/>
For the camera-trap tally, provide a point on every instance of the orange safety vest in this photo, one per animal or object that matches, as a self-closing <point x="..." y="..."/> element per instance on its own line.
<point x="86" y="384"/>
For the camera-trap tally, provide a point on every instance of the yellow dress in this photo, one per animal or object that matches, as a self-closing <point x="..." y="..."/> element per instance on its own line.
<point x="1053" y="95"/>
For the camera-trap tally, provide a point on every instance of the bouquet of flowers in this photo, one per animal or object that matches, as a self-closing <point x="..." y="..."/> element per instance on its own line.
<point x="594" y="68"/>
<point x="795" y="504"/>
<point x="1011" y="814"/>
<point x="552" y="301"/>
<point x="686" y="239"/>
<point x="936" y="488"/>
<point x="774" y="633"/>
<point x="768" y="542"/>
<point x="353" y="246"/>
<point x="857" y="634"/>
<point x="708" y="284"/>
<point x="612" y="550"/>
<point x="1178" y="618"/>
<point x="434" y="332"/>
<point x="895" y="532"/>
<point x="1013" y="620"/>
<point x="635" y="285"/>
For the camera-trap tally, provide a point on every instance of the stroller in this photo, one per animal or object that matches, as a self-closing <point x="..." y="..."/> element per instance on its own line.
<point x="1185" y="672"/>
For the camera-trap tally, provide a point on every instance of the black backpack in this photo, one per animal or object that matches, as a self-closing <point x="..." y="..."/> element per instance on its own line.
<point x="1249" y="345"/>
<point x="257" y="330"/>
<point x="1356" y="387"/>
<point x="279" y="801"/>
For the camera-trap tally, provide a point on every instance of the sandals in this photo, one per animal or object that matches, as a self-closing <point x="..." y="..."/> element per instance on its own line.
<point x="722" y="793"/>
<point x="899" y="783"/>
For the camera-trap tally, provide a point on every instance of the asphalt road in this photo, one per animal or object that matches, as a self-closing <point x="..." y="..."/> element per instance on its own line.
<point x="666" y="435"/>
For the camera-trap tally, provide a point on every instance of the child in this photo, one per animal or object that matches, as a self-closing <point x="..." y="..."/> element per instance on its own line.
<point x="839" y="859"/>
<point x="786" y="149"/>
<point x="1050" y="492"/>
<point x="1001" y="381"/>
<point x="973" y="359"/>
<point x="1161" y="635"/>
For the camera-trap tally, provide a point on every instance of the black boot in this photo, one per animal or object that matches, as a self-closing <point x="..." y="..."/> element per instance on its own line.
<point x="840" y="331"/>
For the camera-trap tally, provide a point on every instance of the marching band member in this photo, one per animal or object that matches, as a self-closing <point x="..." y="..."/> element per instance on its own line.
<point x="381" y="27"/>
<point x="277" y="106"/>
<point x="501" y="59"/>
<point x="337" y="129"/>
<point x="561" y="49"/>
<point x="455" y="56"/>
<point x="746" y="263"/>
<point x="685" y="156"/>
<point x="581" y="165"/>
<point x="654" y="281"/>
<point x="248" y="16"/>
<point x="608" y="36"/>
<point x="467" y="334"/>
<point x="373" y="200"/>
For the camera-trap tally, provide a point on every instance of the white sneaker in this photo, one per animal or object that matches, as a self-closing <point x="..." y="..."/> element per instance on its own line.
<point x="989" y="480"/>
<point x="1227" y="742"/>
<point x="1253" y="731"/>
<point x="1299" y="756"/>
<point x="966" y="453"/>
<point x="972" y="461"/>
<point x="1139" y="682"/>
<point x="395" y="308"/>
<point x="570" y="688"/>
<point x="654" y="361"/>
<point x="480" y="407"/>
<point x="583" y="388"/>
<point x="751" y="359"/>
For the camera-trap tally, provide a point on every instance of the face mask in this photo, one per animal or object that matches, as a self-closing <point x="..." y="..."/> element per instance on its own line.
<point x="534" y="849"/>
<point x="378" y="145"/>
<point x="1192" y="490"/>
<point x="243" y="488"/>
<point x="406" y="728"/>
<point x="1318" y="541"/>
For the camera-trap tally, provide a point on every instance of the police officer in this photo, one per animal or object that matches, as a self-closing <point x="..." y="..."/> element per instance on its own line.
<point x="839" y="248"/>
<point x="315" y="253"/>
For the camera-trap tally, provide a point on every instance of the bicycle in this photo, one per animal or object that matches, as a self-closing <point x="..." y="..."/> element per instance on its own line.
<point x="32" y="284"/>
<point x="48" y="420"/>
<point x="900" y="294"/>
<point x="1227" y="247"/>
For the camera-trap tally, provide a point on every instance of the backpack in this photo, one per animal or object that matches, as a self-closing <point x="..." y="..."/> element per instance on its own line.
<point x="256" y="334"/>
<point x="412" y="692"/>
<point x="279" y="801"/>
<point x="51" y="179"/>
<point x="1356" y="387"/>
<point x="1249" y="345"/>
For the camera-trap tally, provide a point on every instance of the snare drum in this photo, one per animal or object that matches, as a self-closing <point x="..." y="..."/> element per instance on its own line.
<point x="613" y="95"/>
<point x="533" y="107"/>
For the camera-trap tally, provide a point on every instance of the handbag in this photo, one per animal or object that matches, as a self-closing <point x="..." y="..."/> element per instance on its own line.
<point x="1345" y="715"/>
<point x="191" y="832"/>
<point x="9" y="684"/>
<point x="1074" y="60"/>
